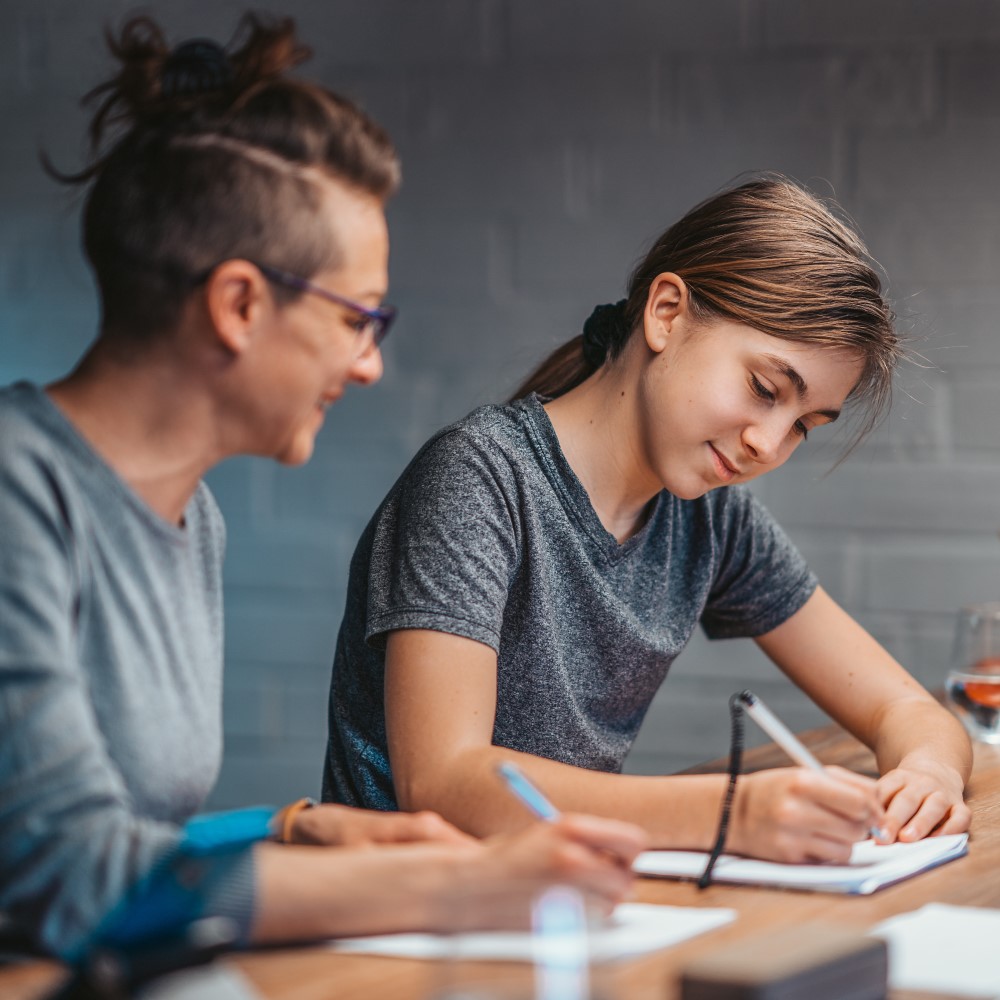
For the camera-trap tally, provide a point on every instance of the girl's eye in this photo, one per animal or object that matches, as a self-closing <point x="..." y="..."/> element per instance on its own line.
<point x="360" y="323"/>
<point x="760" y="389"/>
<point x="763" y="392"/>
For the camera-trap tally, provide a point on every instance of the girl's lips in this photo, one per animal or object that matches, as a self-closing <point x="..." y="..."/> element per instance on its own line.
<point x="724" y="469"/>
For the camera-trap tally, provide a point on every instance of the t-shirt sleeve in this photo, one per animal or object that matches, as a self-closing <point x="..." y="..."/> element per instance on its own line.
<point x="71" y="848"/>
<point x="761" y="579"/>
<point x="444" y="546"/>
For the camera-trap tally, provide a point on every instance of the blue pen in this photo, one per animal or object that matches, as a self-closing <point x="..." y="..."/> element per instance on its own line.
<point x="527" y="792"/>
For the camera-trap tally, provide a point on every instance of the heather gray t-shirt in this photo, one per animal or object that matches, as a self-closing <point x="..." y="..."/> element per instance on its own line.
<point x="489" y="534"/>
<point x="110" y="681"/>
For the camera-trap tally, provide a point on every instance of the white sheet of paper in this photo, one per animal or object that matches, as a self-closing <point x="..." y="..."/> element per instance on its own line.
<point x="633" y="929"/>
<point x="944" y="949"/>
<point x="216" y="981"/>
<point x="871" y="866"/>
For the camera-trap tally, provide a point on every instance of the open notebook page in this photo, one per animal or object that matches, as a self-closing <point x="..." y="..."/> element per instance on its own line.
<point x="871" y="867"/>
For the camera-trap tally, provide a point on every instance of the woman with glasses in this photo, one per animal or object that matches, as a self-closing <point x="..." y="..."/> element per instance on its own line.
<point x="524" y="588"/>
<point x="234" y="222"/>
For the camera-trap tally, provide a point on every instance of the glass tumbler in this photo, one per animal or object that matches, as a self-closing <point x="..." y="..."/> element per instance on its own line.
<point x="546" y="955"/>
<point x="973" y="684"/>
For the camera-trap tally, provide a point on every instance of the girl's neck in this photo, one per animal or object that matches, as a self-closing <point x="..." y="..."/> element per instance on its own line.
<point x="147" y="419"/>
<point x="597" y="424"/>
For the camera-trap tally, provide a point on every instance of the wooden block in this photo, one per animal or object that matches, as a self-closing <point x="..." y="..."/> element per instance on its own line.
<point x="812" y="961"/>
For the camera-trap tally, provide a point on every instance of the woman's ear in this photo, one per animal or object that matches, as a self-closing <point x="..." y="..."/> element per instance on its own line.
<point x="666" y="303"/>
<point x="236" y="296"/>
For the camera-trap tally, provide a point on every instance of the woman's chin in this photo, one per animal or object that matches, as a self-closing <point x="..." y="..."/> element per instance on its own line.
<point x="298" y="450"/>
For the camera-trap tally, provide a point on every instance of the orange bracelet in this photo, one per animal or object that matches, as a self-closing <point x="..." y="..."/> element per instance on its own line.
<point x="287" y="818"/>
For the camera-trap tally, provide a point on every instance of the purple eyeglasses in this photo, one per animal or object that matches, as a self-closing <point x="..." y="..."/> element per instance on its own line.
<point x="373" y="324"/>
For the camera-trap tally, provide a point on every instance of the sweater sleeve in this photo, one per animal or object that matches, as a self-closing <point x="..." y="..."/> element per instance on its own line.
<point x="70" y="845"/>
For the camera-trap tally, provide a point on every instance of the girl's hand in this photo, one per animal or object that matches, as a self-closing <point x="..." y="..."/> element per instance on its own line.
<point x="800" y="816"/>
<point x="922" y="799"/>
<point x="342" y="826"/>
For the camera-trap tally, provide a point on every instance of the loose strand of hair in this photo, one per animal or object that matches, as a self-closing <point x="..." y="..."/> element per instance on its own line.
<point x="141" y="50"/>
<point x="269" y="50"/>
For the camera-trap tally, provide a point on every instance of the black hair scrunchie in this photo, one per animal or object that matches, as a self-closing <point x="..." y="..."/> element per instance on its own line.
<point x="604" y="330"/>
<point x="196" y="67"/>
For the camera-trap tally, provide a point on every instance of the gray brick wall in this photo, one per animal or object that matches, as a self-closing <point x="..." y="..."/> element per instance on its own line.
<point x="544" y="143"/>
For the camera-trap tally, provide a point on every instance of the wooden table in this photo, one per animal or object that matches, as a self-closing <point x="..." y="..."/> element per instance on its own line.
<point x="317" y="974"/>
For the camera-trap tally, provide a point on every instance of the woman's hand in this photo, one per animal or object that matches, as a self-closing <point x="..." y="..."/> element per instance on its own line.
<point x="591" y="854"/>
<point x="801" y="816"/>
<point x="922" y="798"/>
<point x="342" y="826"/>
<point x="306" y="892"/>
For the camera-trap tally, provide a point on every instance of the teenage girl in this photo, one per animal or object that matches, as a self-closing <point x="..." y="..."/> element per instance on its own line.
<point x="234" y="222"/>
<point x="525" y="586"/>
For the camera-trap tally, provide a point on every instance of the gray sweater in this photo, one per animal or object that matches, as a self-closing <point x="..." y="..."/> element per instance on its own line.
<point x="110" y="680"/>
<point x="490" y="535"/>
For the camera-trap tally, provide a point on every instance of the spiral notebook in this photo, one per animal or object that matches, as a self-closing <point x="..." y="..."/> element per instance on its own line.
<point x="872" y="866"/>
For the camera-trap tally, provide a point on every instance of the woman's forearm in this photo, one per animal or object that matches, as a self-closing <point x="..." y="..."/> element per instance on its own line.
<point x="306" y="893"/>
<point x="315" y="892"/>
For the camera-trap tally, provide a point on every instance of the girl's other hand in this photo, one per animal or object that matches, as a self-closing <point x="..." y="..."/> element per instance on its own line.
<point x="800" y="816"/>
<point x="342" y="826"/>
<point x="922" y="799"/>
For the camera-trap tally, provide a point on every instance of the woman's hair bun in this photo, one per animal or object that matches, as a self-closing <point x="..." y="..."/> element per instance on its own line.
<point x="199" y="66"/>
<point x="196" y="80"/>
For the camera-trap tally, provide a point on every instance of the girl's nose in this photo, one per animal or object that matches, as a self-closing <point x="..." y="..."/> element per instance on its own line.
<point x="765" y="441"/>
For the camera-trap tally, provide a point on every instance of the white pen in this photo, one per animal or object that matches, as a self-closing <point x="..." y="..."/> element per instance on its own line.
<point x="778" y="731"/>
<point x="518" y="783"/>
<point x="784" y="737"/>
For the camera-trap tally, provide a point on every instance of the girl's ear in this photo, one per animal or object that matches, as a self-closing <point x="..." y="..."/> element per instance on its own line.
<point x="236" y="297"/>
<point x="666" y="303"/>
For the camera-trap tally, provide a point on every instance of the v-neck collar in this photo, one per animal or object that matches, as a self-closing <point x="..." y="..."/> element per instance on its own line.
<point x="568" y="487"/>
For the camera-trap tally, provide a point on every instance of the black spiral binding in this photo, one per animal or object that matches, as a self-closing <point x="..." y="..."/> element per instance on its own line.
<point x="735" y="763"/>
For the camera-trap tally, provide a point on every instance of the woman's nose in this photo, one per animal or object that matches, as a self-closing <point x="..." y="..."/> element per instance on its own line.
<point x="368" y="367"/>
